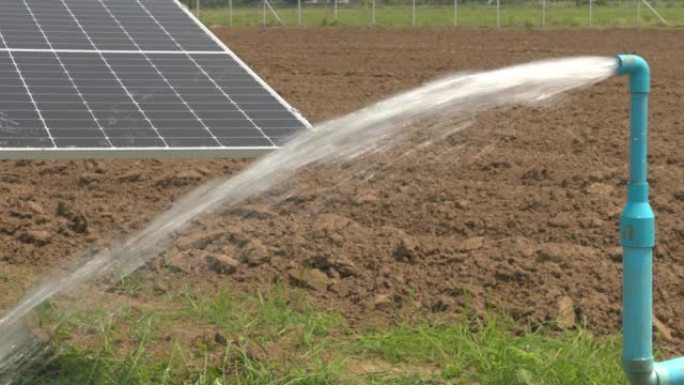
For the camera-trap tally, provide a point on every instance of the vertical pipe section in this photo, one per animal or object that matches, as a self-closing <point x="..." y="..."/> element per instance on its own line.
<point x="637" y="234"/>
<point x="637" y="356"/>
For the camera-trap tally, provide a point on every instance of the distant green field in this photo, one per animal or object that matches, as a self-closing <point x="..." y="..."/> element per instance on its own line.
<point x="565" y="15"/>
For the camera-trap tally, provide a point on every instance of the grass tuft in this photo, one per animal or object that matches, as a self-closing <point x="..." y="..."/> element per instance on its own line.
<point x="278" y="337"/>
<point x="491" y="352"/>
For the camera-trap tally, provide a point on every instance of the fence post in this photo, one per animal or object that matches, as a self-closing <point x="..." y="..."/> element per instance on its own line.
<point x="413" y="14"/>
<point x="455" y="13"/>
<point x="263" y="3"/>
<point x="543" y="23"/>
<point x="197" y="6"/>
<point x="373" y="13"/>
<point x="230" y="12"/>
<point x="335" y="10"/>
<point x="498" y="14"/>
<point x="591" y="3"/>
<point x="638" y="13"/>
<point x="299" y="12"/>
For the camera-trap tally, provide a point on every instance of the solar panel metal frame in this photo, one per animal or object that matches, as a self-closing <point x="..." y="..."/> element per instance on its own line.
<point x="9" y="153"/>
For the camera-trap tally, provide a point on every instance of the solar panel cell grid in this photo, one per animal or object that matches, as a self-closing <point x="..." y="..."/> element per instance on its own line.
<point x="127" y="74"/>
<point x="119" y="24"/>
<point x="57" y="27"/>
<point x="104" y="25"/>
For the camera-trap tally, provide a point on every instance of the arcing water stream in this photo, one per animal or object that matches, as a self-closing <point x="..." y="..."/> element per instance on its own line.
<point x="369" y="129"/>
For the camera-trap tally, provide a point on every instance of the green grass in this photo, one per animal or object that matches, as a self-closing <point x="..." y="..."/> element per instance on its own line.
<point x="490" y="353"/>
<point x="279" y="338"/>
<point x="469" y="15"/>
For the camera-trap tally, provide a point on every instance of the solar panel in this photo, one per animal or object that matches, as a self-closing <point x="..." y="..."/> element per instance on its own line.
<point x="85" y="78"/>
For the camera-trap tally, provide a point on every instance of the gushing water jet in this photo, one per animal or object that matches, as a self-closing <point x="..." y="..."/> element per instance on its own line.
<point x="377" y="127"/>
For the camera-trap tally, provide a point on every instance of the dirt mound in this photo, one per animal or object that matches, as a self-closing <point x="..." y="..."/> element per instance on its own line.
<point x="519" y="212"/>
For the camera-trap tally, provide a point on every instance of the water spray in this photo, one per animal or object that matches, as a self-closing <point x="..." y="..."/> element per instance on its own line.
<point x="377" y="127"/>
<point x="637" y="236"/>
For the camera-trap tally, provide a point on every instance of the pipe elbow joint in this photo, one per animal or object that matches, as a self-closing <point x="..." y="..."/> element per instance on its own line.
<point x="640" y="371"/>
<point x="638" y="70"/>
<point x="645" y="371"/>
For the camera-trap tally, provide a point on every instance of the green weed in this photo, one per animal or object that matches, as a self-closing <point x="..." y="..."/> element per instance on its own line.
<point x="278" y="337"/>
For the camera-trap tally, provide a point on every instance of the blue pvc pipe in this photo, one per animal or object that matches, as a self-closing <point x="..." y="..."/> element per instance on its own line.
<point x="671" y="372"/>
<point x="637" y="355"/>
<point x="637" y="236"/>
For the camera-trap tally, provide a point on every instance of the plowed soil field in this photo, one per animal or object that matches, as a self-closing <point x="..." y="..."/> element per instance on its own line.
<point x="518" y="213"/>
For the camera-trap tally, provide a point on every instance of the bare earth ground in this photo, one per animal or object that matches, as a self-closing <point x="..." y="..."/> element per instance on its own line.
<point x="515" y="213"/>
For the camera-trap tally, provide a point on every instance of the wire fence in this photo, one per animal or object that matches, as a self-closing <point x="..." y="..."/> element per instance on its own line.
<point x="441" y="13"/>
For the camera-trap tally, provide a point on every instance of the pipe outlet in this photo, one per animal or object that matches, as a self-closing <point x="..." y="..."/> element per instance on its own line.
<point x="638" y="70"/>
